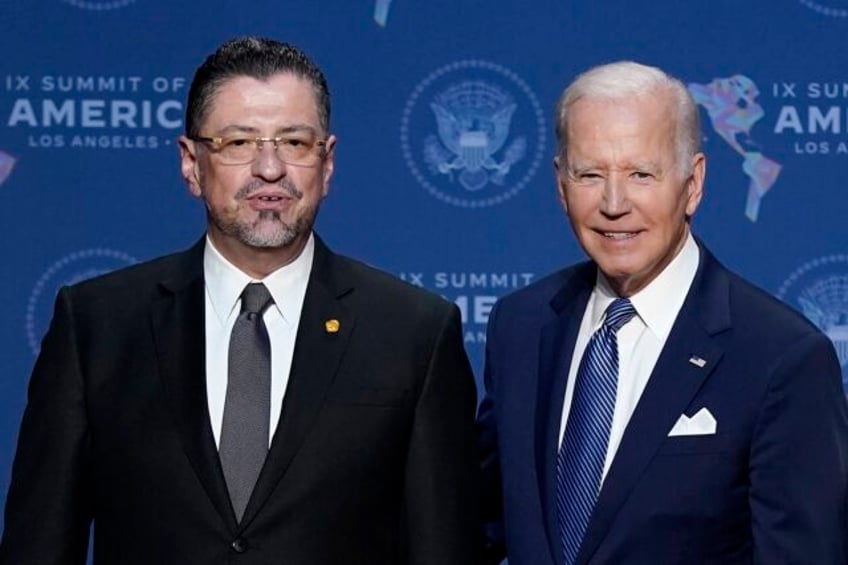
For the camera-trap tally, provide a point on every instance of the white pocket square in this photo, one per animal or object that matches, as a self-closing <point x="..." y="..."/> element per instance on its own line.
<point x="701" y="424"/>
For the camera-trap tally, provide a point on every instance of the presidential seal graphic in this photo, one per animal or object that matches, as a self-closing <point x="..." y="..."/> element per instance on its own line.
<point x="99" y="5"/>
<point x="819" y="289"/>
<point x="70" y="269"/>
<point x="473" y="134"/>
<point x="731" y="104"/>
<point x="832" y="8"/>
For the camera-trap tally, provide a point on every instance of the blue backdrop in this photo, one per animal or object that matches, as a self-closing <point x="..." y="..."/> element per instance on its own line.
<point x="92" y="95"/>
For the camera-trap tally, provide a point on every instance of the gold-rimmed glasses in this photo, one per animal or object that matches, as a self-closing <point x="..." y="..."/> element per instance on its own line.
<point x="298" y="150"/>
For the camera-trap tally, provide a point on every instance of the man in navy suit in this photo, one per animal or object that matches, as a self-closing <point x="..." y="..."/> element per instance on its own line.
<point x="707" y="424"/>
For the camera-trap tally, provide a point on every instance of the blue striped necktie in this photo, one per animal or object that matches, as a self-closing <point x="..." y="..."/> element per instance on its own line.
<point x="580" y="462"/>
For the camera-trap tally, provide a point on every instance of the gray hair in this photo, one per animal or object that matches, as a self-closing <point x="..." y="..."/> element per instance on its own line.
<point x="625" y="79"/>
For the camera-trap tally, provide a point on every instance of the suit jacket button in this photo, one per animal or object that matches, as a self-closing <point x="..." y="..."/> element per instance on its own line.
<point x="239" y="545"/>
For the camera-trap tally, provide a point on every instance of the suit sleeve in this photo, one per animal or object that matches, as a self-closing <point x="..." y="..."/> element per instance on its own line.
<point x="799" y="461"/>
<point x="48" y="508"/>
<point x="441" y="511"/>
<point x="491" y="501"/>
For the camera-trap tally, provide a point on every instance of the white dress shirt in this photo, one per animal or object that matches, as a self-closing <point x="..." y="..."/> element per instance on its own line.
<point x="640" y="340"/>
<point x="224" y="285"/>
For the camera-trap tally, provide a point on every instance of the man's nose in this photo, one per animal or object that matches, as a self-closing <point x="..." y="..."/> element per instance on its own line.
<point x="268" y="164"/>
<point x="615" y="201"/>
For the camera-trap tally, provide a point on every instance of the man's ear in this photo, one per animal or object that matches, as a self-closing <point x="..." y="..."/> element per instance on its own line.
<point x="695" y="184"/>
<point x="189" y="166"/>
<point x="329" y="164"/>
<point x="559" y="177"/>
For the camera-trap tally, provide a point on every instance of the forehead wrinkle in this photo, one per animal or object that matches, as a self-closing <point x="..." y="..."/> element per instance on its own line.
<point x="623" y="152"/>
<point x="238" y="128"/>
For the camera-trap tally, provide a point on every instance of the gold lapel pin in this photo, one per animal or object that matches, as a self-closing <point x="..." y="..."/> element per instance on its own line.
<point x="332" y="326"/>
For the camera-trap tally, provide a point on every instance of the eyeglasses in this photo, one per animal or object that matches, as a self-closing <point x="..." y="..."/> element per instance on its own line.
<point x="298" y="150"/>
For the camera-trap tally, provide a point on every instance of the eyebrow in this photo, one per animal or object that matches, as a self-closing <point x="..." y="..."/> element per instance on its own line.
<point x="294" y="128"/>
<point x="651" y="167"/>
<point x="574" y="169"/>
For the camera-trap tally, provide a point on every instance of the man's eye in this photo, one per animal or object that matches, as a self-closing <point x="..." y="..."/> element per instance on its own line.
<point x="641" y="175"/>
<point x="294" y="142"/>
<point x="237" y="142"/>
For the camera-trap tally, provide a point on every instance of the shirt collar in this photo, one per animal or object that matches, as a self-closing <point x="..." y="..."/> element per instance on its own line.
<point x="287" y="285"/>
<point x="658" y="303"/>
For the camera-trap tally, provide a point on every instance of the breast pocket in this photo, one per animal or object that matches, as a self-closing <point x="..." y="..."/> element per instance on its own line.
<point x="693" y="445"/>
<point x="369" y="396"/>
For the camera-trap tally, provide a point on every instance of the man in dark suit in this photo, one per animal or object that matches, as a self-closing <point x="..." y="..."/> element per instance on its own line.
<point x="256" y="399"/>
<point x="649" y="406"/>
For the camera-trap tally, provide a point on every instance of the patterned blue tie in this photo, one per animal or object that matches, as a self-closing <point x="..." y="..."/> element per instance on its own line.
<point x="580" y="462"/>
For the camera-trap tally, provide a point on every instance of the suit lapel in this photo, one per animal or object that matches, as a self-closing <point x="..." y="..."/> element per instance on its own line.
<point x="670" y="389"/>
<point x="177" y="321"/>
<point x="317" y="354"/>
<point x="556" y="347"/>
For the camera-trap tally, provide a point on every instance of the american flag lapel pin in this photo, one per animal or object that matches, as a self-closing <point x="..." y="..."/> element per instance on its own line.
<point x="698" y="361"/>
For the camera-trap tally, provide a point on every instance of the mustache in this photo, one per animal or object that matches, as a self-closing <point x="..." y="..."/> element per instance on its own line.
<point x="255" y="185"/>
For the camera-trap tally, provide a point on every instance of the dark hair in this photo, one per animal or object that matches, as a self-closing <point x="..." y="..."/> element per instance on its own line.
<point x="257" y="58"/>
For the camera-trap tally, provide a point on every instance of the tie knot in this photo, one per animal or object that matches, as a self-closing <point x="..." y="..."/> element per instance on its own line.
<point x="619" y="313"/>
<point x="255" y="298"/>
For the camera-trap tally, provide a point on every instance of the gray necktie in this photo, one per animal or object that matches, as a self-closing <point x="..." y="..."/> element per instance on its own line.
<point x="244" y="431"/>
